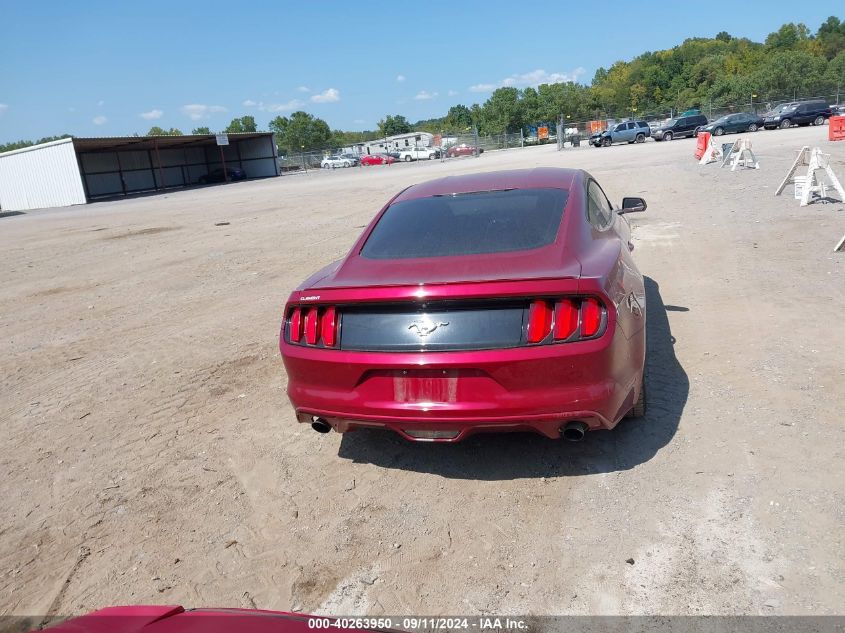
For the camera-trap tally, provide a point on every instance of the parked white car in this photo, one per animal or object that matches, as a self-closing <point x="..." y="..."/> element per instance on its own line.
<point x="419" y="153"/>
<point x="330" y="162"/>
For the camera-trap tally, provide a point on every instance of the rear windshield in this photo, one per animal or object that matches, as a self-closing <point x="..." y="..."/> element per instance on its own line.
<point x="468" y="224"/>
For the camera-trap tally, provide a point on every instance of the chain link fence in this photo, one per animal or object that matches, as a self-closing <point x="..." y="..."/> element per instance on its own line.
<point x="565" y="132"/>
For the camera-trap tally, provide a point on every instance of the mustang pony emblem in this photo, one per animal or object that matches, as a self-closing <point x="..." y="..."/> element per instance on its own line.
<point x="424" y="328"/>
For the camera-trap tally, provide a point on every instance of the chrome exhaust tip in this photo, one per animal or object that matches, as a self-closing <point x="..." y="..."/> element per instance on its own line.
<point x="574" y="431"/>
<point x="320" y="425"/>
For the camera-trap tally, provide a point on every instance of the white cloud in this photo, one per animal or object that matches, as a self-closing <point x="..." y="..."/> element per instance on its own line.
<point x="327" y="96"/>
<point x="452" y="93"/>
<point x="400" y="78"/>
<point x="3" y="107"/>
<point x="288" y="106"/>
<point x="483" y="88"/>
<point x="532" y="78"/>
<point x="197" y="111"/>
<point x="101" y="103"/>
<point x="152" y="114"/>
<point x="99" y="120"/>
<point x="425" y="95"/>
<point x="303" y="89"/>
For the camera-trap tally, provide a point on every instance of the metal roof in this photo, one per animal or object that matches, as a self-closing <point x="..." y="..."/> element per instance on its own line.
<point x="113" y="143"/>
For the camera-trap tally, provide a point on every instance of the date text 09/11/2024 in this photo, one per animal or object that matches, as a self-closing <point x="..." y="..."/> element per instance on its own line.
<point x="420" y="623"/>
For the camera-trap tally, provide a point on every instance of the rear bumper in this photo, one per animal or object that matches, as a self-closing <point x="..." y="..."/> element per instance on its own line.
<point x="528" y="388"/>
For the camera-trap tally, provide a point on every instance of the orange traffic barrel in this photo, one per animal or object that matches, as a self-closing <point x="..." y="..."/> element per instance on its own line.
<point x="701" y="147"/>
<point x="836" y="128"/>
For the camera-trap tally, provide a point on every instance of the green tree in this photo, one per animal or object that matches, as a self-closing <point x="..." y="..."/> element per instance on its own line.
<point x="157" y="131"/>
<point x="300" y="131"/>
<point x="502" y="112"/>
<point x="788" y="37"/>
<point x="458" y="118"/>
<point x="201" y="130"/>
<point x="831" y="37"/>
<point x="242" y="124"/>
<point x="391" y="125"/>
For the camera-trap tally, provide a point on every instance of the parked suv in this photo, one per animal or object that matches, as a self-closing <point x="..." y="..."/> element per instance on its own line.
<point x="798" y="113"/>
<point x="680" y="127"/>
<point x="626" y="132"/>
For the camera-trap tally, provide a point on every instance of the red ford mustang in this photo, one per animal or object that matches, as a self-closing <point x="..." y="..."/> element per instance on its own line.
<point x="502" y="301"/>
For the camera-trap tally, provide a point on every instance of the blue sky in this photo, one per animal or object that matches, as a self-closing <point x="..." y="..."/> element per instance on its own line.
<point x="98" y="68"/>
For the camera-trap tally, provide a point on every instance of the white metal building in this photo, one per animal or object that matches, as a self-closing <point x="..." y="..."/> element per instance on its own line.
<point x="78" y="170"/>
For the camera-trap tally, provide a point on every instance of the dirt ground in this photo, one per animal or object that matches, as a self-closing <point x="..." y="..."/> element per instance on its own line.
<point x="149" y="454"/>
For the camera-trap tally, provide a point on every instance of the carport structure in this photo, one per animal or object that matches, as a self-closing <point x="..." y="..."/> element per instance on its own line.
<point x="79" y="170"/>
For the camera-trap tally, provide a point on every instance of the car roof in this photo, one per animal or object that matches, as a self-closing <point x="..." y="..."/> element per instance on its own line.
<point x="537" y="178"/>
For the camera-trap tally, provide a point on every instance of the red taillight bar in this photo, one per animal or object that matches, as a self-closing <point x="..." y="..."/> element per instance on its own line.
<point x="566" y="319"/>
<point x="295" y="325"/>
<point x="329" y="326"/>
<point x="591" y="313"/>
<point x="312" y="330"/>
<point x="539" y="321"/>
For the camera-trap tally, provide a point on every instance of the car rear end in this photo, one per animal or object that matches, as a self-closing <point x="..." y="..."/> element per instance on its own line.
<point x="471" y="349"/>
<point x="480" y="360"/>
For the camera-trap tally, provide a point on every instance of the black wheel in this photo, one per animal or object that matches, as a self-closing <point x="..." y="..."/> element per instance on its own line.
<point x="719" y="131"/>
<point x="785" y="124"/>
<point x="752" y="127"/>
<point x="639" y="408"/>
<point x="640" y="138"/>
<point x="606" y="142"/>
<point x="667" y="136"/>
<point x="819" y="120"/>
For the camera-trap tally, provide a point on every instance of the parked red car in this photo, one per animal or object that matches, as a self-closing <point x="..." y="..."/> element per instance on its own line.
<point x="500" y="301"/>
<point x="377" y="159"/>
<point x="462" y="150"/>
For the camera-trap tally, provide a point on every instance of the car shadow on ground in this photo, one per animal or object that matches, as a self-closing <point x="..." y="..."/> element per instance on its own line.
<point x="523" y="455"/>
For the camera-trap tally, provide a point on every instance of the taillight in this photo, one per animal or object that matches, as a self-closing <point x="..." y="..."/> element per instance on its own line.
<point x="312" y="330"/>
<point x="313" y="325"/>
<point x="591" y="312"/>
<point x="566" y="319"/>
<point x="539" y="321"/>
<point x="329" y="326"/>
<point x="295" y="325"/>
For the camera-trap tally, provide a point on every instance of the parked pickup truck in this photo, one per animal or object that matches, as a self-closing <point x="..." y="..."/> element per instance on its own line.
<point x="419" y="153"/>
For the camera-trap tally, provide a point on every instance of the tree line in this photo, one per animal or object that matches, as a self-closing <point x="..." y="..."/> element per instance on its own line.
<point x="720" y="71"/>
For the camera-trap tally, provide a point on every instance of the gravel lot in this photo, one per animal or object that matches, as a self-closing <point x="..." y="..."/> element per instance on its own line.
<point x="149" y="454"/>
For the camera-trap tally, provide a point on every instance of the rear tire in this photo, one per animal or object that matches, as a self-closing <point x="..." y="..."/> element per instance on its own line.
<point x="408" y="158"/>
<point x="640" y="138"/>
<point x="639" y="408"/>
<point x="752" y="127"/>
<point x="819" y="120"/>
